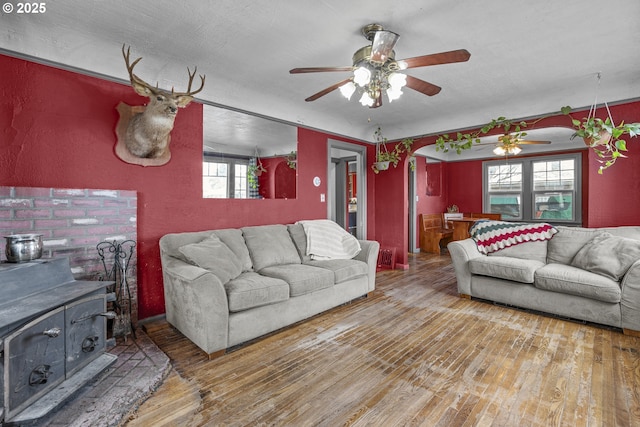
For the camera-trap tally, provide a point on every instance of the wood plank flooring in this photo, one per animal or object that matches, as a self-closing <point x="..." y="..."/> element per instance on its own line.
<point x="412" y="354"/>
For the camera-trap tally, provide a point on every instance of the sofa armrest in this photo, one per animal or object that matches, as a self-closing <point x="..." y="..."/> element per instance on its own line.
<point x="461" y="251"/>
<point x="369" y="254"/>
<point x="630" y="302"/>
<point x="196" y="304"/>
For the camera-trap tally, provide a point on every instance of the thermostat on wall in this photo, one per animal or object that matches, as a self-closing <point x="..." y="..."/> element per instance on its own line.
<point x="316" y="181"/>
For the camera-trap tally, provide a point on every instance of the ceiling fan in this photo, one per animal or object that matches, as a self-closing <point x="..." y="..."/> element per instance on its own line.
<point x="509" y="144"/>
<point x="375" y="69"/>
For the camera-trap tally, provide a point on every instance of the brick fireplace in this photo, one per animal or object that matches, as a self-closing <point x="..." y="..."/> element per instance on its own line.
<point x="73" y="222"/>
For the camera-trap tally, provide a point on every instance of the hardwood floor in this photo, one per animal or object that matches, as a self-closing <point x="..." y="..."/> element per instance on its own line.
<point x="413" y="353"/>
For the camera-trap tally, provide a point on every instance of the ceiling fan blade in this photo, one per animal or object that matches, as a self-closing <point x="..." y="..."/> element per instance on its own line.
<point x="327" y="90"/>
<point x="533" y="142"/>
<point x="319" y="69"/>
<point x="460" y="55"/>
<point x="421" y="86"/>
<point x="382" y="46"/>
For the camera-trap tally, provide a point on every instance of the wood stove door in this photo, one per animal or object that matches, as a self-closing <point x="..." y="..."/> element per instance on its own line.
<point x="34" y="359"/>
<point x="86" y="331"/>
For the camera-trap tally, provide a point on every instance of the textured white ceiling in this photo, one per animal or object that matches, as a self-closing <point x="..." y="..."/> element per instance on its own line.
<point x="527" y="57"/>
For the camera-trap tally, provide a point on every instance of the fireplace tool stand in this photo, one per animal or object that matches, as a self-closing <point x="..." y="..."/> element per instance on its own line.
<point x="115" y="257"/>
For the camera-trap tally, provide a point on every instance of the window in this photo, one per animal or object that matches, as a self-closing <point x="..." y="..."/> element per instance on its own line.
<point x="534" y="189"/>
<point x="224" y="178"/>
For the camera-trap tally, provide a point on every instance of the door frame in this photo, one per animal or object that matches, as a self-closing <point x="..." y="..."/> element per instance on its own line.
<point x="360" y="152"/>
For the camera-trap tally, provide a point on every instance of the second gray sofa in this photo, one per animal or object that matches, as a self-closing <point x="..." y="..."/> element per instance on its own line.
<point x="590" y="274"/>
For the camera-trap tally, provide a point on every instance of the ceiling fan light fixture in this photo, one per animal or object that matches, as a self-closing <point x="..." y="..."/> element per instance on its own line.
<point x="361" y="76"/>
<point x="366" y="100"/>
<point x="347" y="90"/>
<point x="499" y="151"/>
<point x="393" y="93"/>
<point x="397" y="80"/>
<point x="502" y="150"/>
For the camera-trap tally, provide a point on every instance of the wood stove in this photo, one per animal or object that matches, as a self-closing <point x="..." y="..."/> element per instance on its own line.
<point x="53" y="337"/>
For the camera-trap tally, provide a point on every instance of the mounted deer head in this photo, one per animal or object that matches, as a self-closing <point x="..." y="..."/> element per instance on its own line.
<point x="147" y="133"/>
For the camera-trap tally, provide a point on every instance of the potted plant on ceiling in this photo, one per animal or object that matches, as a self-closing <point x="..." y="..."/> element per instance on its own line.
<point x="384" y="157"/>
<point x="603" y="136"/>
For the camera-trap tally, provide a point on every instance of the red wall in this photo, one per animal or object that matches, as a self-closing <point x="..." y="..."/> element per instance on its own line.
<point x="58" y="130"/>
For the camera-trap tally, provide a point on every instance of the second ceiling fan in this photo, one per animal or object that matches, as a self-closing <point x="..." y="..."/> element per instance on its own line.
<point x="375" y="69"/>
<point x="509" y="144"/>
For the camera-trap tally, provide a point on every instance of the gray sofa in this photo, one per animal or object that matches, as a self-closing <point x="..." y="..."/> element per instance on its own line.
<point x="579" y="273"/>
<point x="225" y="287"/>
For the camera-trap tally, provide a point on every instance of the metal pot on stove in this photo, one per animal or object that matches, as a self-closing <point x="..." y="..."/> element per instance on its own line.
<point x="23" y="247"/>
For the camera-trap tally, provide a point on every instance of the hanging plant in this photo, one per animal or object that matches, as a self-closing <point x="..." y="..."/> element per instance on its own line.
<point x="292" y="159"/>
<point x="254" y="171"/>
<point x="603" y="136"/>
<point x="384" y="157"/>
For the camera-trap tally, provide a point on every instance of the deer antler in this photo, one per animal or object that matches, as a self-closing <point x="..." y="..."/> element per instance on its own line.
<point x="137" y="80"/>
<point x="191" y="76"/>
<point x="134" y="79"/>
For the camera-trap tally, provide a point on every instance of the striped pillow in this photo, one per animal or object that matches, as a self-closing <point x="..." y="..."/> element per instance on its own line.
<point x="491" y="236"/>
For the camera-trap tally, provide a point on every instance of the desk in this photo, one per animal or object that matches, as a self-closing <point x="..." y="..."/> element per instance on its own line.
<point x="461" y="226"/>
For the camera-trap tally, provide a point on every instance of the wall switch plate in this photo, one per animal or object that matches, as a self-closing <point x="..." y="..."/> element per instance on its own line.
<point x="322" y="197"/>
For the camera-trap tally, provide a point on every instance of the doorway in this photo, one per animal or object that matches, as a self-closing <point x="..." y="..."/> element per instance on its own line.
<point x="412" y="210"/>
<point x="347" y="186"/>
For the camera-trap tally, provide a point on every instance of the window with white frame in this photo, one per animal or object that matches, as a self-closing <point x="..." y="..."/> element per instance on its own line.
<point x="534" y="189"/>
<point x="224" y="178"/>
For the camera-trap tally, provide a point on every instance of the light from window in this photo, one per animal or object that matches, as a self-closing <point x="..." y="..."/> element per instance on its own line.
<point x="240" y="188"/>
<point x="553" y="175"/>
<point x="505" y="177"/>
<point x="530" y="189"/>
<point x="214" y="180"/>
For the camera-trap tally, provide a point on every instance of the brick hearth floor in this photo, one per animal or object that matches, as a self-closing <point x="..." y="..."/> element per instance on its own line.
<point x="106" y="401"/>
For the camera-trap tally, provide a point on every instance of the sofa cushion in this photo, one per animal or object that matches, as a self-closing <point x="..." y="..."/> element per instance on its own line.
<point x="575" y="281"/>
<point x="302" y="279"/>
<point x="250" y="290"/>
<point x="628" y="231"/>
<point x="343" y="269"/>
<point x="608" y="255"/>
<point x="213" y="255"/>
<point x="516" y="269"/>
<point x="491" y="236"/>
<point x="270" y="245"/>
<point x="567" y="242"/>
<point x="536" y="250"/>
<point x="233" y="238"/>
<point x="300" y="240"/>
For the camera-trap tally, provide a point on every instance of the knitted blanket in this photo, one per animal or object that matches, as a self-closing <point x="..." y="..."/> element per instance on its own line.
<point x="327" y="240"/>
<point x="491" y="236"/>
